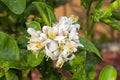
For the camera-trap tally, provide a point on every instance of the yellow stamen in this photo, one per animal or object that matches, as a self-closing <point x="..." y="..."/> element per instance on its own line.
<point x="51" y="35"/>
<point x="39" y="45"/>
<point x="74" y="18"/>
<point x="70" y="47"/>
<point x="61" y="47"/>
<point x="31" y="41"/>
<point x="60" y="64"/>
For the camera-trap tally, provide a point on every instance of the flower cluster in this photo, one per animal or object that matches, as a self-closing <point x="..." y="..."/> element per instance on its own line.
<point x="59" y="42"/>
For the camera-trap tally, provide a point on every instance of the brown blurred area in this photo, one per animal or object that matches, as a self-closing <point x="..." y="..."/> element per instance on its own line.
<point x="73" y="7"/>
<point x="110" y="51"/>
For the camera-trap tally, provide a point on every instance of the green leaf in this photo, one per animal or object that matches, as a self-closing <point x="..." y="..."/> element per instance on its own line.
<point x="2" y="72"/>
<point x="9" y="52"/>
<point x="32" y="60"/>
<point x="24" y="79"/>
<point x="90" y="63"/>
<point x="8" y="64"/>
<point x="38" y="20"/>
<point x="99" y="4"/>
<point x="16" y="6"/>
<point x="22" y="41"/>
<point x="112" y="23"/>
<point x="78" y="66"/>
<point x="89" y="46"/>
<point x="116" y="15"/>
<point x="108" y="73"/>
<point x="51" y="15"/>
<point x="10" y="75"/>
<point x="46" y="12"/>
<point x="8" y="48"/>
<point x="100" y="14"/>
<point x="2" y="78"/>
<point x="34" y="24"/>
<point x="23" y="57"/>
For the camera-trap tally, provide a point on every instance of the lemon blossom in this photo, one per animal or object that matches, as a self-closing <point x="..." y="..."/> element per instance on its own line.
<point x="59" y="42"/>
<point x="37" y="40"/>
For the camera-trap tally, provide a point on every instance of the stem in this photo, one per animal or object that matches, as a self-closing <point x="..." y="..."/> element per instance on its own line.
<point x="91" y="27"/>
<point x="87" y="18"/>
<point x="87" y="25"/>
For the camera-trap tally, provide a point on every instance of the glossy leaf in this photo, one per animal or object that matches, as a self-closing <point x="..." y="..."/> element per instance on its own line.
<point x="108" y="73"/>
<point x="16" y="6"/>
<point x="90" y="63"/>
<point x="100" y="14"/>
<point x="116" y="15"/>
<point x="99" y="4"/>
<point x="34" y="24"/>
<point x="2" y="72"/>
<point x="4" y="64"/>
<point x="89" y="46"/>
<point x="78" y="66"/>
<point x="32" y="60"/>
<point x="9" y="52"/>
<point x="51" y="15"/>
<point x="39" y="20"/>
<point x="10" y="75"/>
<point x="24" y="79"/>
<point x="112" y="23"/>
<point x="46" y="12"/>
<point x="8" y="48"/>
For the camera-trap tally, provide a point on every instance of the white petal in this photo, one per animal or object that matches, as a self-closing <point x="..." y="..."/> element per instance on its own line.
<point x="45" y="29"/>
<point x="35" y="39"/>
<point x="32" y="47"/>
<point x="80" y="45"/>
<point x="64" y="53"/>
<point x="65" y="20"/>
<point x="52" y="46"/>
<point x="56" y="54"/>
<point x="48" y="52"/>
<point x="43" y="36"/>
<point x="60" y="32"/>
<point x="32" y="32"/>
<point x="60" y="62"/>
<point x="55" y="30"/>
<point x="73" y="36"/>
<point x="77" y="26"/>
<point x="59" y="38"/>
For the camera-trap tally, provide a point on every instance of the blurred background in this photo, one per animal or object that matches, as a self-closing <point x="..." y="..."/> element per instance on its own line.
<point x="104" y="37"/>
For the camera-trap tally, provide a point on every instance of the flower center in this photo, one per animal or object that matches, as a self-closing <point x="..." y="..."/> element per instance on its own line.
<point x="70" y="47"/>
<point x="51" y="35"/>
<point x="60" y="64"/>
<point x="39" y="45"/>
<point x="74" y="18"/>
<point x="61" y="47"/>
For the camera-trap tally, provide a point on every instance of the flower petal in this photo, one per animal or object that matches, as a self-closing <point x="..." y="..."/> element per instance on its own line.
<point x="52" y="46"/>
<point x="60" y="62"/>
<point x="32" y="32"/>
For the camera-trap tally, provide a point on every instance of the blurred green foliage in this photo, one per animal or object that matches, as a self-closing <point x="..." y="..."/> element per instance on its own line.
<point x="16" y="61"/>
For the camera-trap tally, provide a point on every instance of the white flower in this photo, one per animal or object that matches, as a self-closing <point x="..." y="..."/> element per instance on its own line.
<point x="32" y="32"/>
<point x="37" y="40"/>
<point x="60" y="62"/>
<point x="74" y="18"/>
<point x="51" y="50"/>
<point x="65" y="20"/>
<point x="50" y="31"/>
<point x="59" y="42"/>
